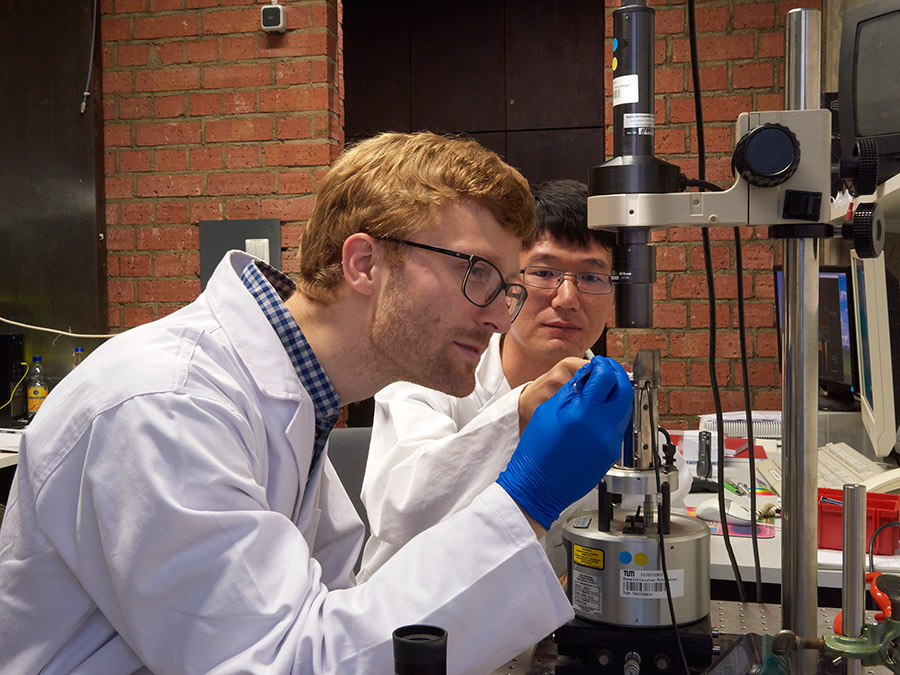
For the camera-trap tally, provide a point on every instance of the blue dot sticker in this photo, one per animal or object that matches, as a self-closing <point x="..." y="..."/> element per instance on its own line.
<point x="615" y="44"/>
<point x="624" y="557"/>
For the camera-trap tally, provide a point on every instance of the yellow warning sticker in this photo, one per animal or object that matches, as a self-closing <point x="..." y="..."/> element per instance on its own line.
<point x="587" y="557"/>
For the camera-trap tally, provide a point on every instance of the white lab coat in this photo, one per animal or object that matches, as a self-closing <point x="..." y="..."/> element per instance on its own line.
<point x="431" y="454"/>
<point x="164" y="522"/>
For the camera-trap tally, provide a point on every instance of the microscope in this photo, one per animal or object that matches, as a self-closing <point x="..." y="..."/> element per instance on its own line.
<point x="638" y="578"/>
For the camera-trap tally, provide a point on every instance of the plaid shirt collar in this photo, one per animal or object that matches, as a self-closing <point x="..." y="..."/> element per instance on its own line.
<point x="271" y="289"/>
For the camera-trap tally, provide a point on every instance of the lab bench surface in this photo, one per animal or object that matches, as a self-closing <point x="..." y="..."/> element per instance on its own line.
<point x="728" y="620"/>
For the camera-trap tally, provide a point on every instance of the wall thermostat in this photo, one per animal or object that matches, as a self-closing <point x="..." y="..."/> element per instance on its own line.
<point x="272" y="18"/>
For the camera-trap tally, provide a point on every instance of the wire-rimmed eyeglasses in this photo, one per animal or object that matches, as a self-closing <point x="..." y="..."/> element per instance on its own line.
<point x="548" y="277"/>
<point x="483" y="281"/>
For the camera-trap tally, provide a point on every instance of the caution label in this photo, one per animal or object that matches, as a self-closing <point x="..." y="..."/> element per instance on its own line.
<point x="587" y="557"/>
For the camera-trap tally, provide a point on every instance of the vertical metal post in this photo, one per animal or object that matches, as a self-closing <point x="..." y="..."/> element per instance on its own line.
<point x="853" y="570"/>
<point x="800" y="368"/>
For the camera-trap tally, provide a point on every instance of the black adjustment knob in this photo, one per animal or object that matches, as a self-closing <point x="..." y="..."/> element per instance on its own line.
<point x="889" y="584"/>
<point x="865" y="154"/>
<point x="866" y="230"/>
<point x="767" y="156"/>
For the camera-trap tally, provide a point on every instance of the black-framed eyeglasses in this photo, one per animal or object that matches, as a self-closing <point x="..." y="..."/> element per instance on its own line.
<point x="548" y="277"/>
<point x="483" y="281"/>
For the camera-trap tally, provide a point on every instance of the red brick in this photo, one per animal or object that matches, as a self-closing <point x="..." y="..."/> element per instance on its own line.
<point x="167" y="79"/>
<point x="168" y="239"/>
<point x="120" y="291"/>
<point x="168" y="264"/>
<point x="116" y="135"/>
<point x="296" y="155"/>
<point x="670" y="258"/>
<point x="715" y="48"/>
<point x="176" y="133"/>
<point x="117" y="83"/>
<point x="769" y="102"/>
<point x="166" y="290"/>
<point x="238" y="48"/>
<point x="721" y="258"/>
<point x="198" y="4"/>
<point x="771" y="45"/>
<point x="293" y="44"/>
<point x="205" y="158"/>
<point x="712" y="78"/>
<point x="115" y="29"/>
<point x="114" y="318"/>
<point x="128" y="6"/>
<point x="758" y="256"/>
<point x="134" y="160"/>
<point x="699" y="315"/>
<point x="324" y="16"/>
<point x="328" y="127"/>
<point x="299" y="208"/>
<point x="754" y="15"/>
<point x="669" y="315"/>
<point x="133" y="55"/>
<point x="711" y="19"/>
<point x="169" y="106"/>
<point x="292" y="128"/>
<point x="294" y="99"/>
<point x="231" y="21"/>
<point x="672" y="374"/>
<point x="137" y="316"/>
<point x="689" y="286"/>
<point x="294" y="72"/>
<point x="170" y="52"/>
<point x="134" y="108"/>
<point x="204" y="104"/>
<point x="220" y="77"/>
<point x="699" y="374"/>
<point x="241" y="157"/>
<point x="669" y="21"/>
<point x="323" y="70"/>
<point x="240" y="102"/>
<point x="206" y="210"/>
<point x="180" y="25"/>
<point x="170" y="160"/>
<point x="715" y="108"/>
<point x="201" y="51"/>
<point x="760" y="374"/>
<point x="244" y="208"/>
<point x="134" y="265"/>
<point x="299" y="182"/>
<point x="139" y="213"/>
<point x="669" y="80"/>
<point x="753" y="75"/>
<point x="173" y="185"/>
<point x="118" y="188"/>
<point x="164" y="5"/>
<point x="767" y="344"/>
<point x="169" y="213"/>
<point x="716" y="139"/>
<point x="243" y="183"/>
<point x="120" y="239"/>
<point x="240" y="130"/>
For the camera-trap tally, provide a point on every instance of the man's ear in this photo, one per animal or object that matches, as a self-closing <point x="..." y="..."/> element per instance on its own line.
<point x="358" y="260"/>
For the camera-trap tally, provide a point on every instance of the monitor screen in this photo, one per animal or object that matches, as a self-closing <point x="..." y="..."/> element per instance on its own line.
<point x="838" y="376"/>
<point x="869" y="86"/>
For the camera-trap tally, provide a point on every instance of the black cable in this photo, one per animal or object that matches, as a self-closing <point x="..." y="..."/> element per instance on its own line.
<point x="872" y="544"/>
<point x="705" y="184"/>
<point x="662" y="554"/>
<point x="710" y="284"/>
<point x="742" y="333"/>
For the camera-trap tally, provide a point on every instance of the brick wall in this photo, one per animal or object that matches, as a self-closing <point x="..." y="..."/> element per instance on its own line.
<point x="207" y="117"/>
<point x="741" y="53"/>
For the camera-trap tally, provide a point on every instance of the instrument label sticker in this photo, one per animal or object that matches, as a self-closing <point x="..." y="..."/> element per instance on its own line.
<point x="587" y="557"/>
<point x="625" y="89"/>
<point x="638" y="124"/>
<point x="587" y="592"/>
<point x="650" y="584"/>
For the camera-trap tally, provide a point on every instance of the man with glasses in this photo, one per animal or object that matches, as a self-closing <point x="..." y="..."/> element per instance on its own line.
<point x="175" y="510"/>
<point x="432" y="453"/>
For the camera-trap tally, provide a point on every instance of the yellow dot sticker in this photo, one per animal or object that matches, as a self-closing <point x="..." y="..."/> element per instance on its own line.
<point x="587" y="557"/>
<point x="640" y="559"/>
<point x="615" y="63"/>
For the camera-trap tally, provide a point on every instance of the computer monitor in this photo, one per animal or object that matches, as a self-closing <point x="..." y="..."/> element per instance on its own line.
<point x="869" y="82"/>
<point x="838" y="371"/>
<point x="876" y="295"/>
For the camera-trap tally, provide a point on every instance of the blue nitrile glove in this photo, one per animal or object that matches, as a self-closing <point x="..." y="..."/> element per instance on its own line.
<point x="572" y="440"/>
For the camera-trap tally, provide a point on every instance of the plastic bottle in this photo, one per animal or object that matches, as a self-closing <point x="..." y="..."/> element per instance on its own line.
<point x="36" y="386"/>
<point x="77" y="356"/>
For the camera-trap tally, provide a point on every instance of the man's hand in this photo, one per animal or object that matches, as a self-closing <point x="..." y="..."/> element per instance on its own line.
<point x="535" y="393"/>
<point x="571" y="441"/>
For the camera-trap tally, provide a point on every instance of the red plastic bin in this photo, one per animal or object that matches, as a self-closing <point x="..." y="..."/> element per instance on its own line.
<point x="880" y="509"/>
